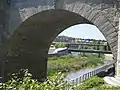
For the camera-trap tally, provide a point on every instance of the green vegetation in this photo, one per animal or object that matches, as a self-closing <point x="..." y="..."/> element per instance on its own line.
<point x="55" y="82"/>
<point x="105" y="87"/>
<point x="90" y="83"/>
<point x="60" y="45"/>
<point x="72" y="64"/>
<point x="94" y="47"/>
<point x="57" y="70"/>
<point x="95" y="83"/>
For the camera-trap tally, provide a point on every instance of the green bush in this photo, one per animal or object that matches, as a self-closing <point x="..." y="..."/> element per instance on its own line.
<point x="95" y="83"/>
<point x="71" y="64"/>
<point x="106" y="87"/>
<point x="55" y="82"/>
<point x="90" y="83"/>
<point x="60" y="45"/>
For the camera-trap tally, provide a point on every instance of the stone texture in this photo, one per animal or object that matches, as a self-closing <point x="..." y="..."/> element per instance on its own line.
<point x="118" y="54"/>
<point x="28" y="46"/>
<point x="104" y="25"/>
<point x="33" y="20"/>
<point x="22" y="10"/>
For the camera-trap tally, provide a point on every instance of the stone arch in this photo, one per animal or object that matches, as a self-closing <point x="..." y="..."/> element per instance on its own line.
<point x="97" y="17"/>
<point x="21" y="50"/>
<point x="29" y="44"/>
<point x="84" y="8"/>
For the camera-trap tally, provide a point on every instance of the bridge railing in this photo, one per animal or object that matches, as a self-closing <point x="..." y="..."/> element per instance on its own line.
<point x="89" y="51"/>
<point x="78" y="80"/>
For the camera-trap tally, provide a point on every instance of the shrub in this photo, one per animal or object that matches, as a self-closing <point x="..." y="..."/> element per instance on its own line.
<point x="60" y="45"/>
<point x="107" y="87"/>
<point x="90" y="83"/>
<point x="71" y="64"/>
<point x="55" y="82"/>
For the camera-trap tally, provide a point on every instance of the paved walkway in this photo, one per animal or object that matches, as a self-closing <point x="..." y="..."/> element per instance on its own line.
<point x="83" y="71"/>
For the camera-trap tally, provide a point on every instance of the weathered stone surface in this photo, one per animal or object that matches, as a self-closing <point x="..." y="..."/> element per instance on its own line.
<point x="22" y="10"/>
<point x="30" y="23"/>
<point x="28" y="46"/>
<point x="100" y="20"/>
<point x="76" y="8"/>
<point x="93" y="14"/>
<point x="113" y="41"/>
<point x="104" y="25"/>
<point x="110" y="36"/>
<point x="114" y="50"/>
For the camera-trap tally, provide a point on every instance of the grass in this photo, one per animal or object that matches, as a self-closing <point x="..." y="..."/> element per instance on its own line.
<point x="95" y="83"/>
<point x="72" y="64"/>
<point x="55" y="82"/>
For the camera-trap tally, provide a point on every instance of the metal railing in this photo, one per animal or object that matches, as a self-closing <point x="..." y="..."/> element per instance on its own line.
<point x="78" y="80"/>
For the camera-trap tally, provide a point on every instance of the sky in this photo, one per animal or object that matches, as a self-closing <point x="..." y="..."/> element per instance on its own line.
<point x="85" y="31"/>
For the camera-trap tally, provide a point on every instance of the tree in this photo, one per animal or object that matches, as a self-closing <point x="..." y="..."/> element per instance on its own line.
<point x="60" y="45"/>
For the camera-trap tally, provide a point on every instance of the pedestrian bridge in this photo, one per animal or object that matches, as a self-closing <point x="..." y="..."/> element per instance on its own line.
<point x="90" y="51"/>
<point x="82" y="48"/>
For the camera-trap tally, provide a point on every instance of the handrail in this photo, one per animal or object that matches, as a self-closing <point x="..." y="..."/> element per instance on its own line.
<point x="78" y="80"/>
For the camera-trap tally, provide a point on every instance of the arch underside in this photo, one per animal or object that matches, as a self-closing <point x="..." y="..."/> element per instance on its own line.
<point x="97" y="17"/>
<point x="29" y="44"/>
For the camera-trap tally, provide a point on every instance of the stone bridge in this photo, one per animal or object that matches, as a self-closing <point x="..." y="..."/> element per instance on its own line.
<point x="28" y="27"/>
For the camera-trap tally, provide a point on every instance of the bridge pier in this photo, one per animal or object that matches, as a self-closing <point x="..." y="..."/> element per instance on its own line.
<point x="115" y="81"/>
<point x="118" y="54"/>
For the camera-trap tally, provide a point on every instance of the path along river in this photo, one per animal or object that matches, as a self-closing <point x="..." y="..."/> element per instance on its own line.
<point x="83" y="71"/>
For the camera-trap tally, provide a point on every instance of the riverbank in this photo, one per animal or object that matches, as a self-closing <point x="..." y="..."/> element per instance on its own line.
<point x="55" y="81"/>
<point x="71" y="64"/>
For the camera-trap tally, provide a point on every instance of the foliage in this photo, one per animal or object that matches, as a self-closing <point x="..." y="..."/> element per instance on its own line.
<point x="106" y="87"/>
<point x="64" y="64"/>
<point x="71" y="64"/>
<point x="60" y="45"/>
<point x="90" y="83"/>
<point x="23" y="80"/>
<point x="95" y="83"/>
<point x="24" y="83"/>
<point x="55" y="82"/>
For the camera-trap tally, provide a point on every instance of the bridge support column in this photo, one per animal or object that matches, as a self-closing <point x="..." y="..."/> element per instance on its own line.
<point x="32" y="57"/>
<point x="118" y="55"/>
<point x="115" y="81"/>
